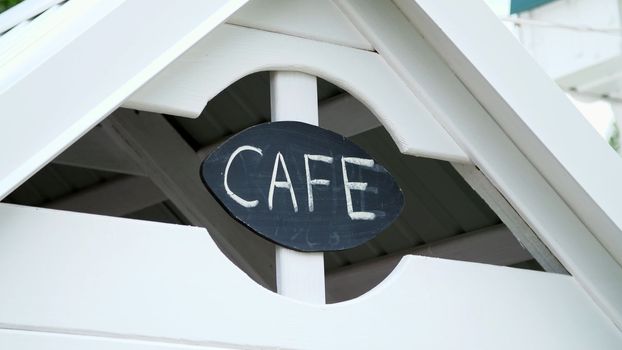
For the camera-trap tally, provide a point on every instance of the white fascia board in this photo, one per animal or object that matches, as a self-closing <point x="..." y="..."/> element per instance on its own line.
<point x="121" y="280"/>
<point x="532" y="111"/>
<point x="23" y="12"/>
<point x="60" y="99"/>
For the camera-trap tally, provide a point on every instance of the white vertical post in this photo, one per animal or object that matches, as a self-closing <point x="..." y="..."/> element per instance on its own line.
<point x="293" y="97"/>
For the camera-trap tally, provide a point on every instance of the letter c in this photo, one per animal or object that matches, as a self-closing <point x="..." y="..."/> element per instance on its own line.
<point x="235" y="197"/>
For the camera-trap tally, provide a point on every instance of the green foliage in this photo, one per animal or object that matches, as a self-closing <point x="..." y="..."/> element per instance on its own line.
<point x="5" y="4"/>
<point x="614" y="139"/>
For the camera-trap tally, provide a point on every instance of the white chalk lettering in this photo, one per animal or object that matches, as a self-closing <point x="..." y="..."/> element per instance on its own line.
<point x="281" y="184"/>
<point x="359" y="186"/>
<point x="235" y="197"/>
<point x="312" y="182"/>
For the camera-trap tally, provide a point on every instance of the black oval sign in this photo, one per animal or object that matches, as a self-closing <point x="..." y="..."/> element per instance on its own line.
<point x="302" y="187"/>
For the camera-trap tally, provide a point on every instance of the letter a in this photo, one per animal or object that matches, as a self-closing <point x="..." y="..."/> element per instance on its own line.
<point x="281" y="184"/>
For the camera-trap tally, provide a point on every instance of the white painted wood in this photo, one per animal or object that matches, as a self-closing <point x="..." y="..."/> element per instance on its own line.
<point x="342" y="114"/>
<point x="35" y="41"/>
<point x="173" y="166"/>
<point x="148" y="282"/>
<point x="492" y="245"/>
<point x="80" y="62"/>
<point x="185" y="86"/>
<point x="24" y="11"/>
<point x="293" y="97"/>
<point x="299" y="275"/>
<point x="53" y="340"/>
<point x="20" y="36"/>
<point x="117" y="197"/>
<point x="487" y="144"/>
<point x="95" y="150"/>
<point x="317" y="20"/>
<point x="528" y="112"/>
<point x="519" y="228"/>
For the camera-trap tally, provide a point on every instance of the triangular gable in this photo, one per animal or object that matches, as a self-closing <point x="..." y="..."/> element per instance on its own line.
<point x="487" y="107"/>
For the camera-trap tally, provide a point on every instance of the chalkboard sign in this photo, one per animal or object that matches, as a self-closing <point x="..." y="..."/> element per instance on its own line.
<point x="302" y="187"/>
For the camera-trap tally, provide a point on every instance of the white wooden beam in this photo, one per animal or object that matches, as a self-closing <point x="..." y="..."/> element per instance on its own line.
<point x="59" y="120"/>
<point x="173" y="166"/>
<point x="117" y="197"/>
<point x="98" y="281"/>
<point x="524" y="101"/>
<point x="231" y="52"/>
<point x="300" y="275"/>
<point x="492" y="245"/>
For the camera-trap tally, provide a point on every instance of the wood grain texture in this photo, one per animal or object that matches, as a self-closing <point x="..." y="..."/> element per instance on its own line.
<point x="136" y="280"/>
<point x="317" y="20"/>
<point x="231" y="52"/>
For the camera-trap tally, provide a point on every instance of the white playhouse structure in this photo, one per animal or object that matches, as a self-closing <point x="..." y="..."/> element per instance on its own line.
<point x="510" y="238"/>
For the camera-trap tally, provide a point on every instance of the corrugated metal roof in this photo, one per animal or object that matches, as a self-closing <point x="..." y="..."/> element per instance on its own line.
<point x="56" y="181"/>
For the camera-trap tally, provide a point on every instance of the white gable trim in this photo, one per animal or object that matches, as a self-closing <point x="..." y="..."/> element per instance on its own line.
<point x="231" y="52"/>
<point x="43" y="128"/>
<point x="531" y="109"/>
<point x="432" y="80"/>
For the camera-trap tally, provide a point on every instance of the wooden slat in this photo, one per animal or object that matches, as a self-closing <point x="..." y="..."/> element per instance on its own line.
<point x="96" y="151"/>
<point x="230" y="53"/>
